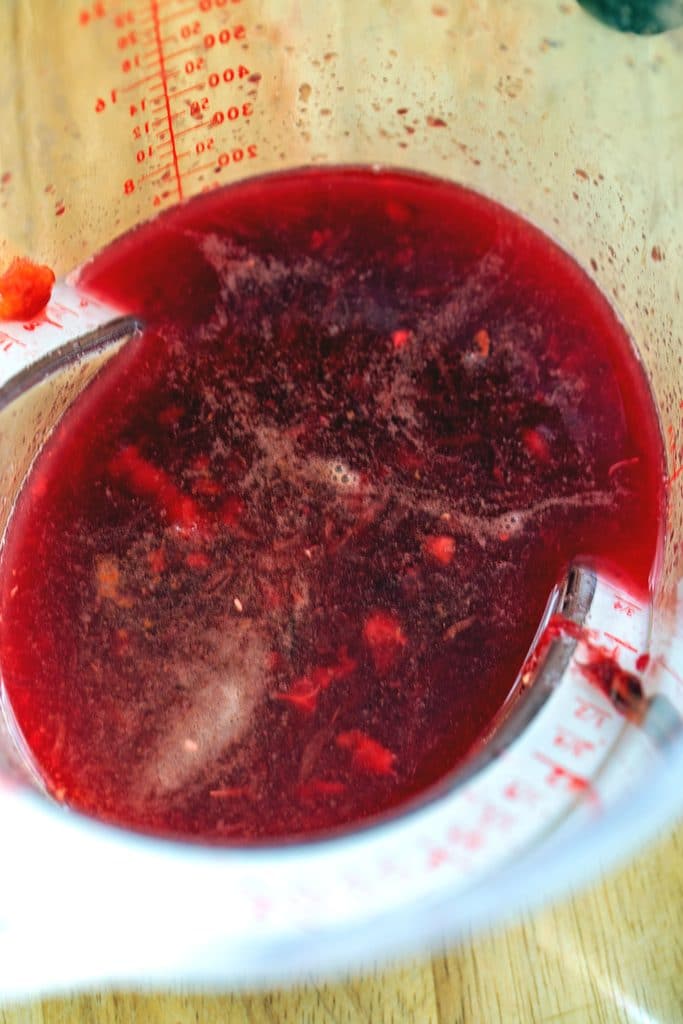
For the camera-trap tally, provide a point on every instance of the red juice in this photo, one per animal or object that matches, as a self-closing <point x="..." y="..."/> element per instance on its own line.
<point x="276" y="570"/>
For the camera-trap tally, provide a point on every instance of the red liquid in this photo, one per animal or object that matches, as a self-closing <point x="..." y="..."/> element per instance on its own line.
<point x="276" y="571"/>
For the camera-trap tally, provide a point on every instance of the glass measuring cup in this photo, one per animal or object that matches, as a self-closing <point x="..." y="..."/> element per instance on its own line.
<point x="491" y="98"/>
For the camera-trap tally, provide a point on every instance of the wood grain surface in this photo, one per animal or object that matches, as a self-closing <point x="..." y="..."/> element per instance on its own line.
<point x="612" y="954"/>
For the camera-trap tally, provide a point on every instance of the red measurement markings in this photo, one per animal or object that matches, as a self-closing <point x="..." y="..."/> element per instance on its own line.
<point x="33" y="325"/>
<point x="138" y="82"/>
<point x="622" y="604"/>
<point x="193" y="128"/>
<point x="179" y="53"/>
<point x="491" y="817"/>
<point x="8" y="341"/>
<point x="558" y="775"/>
<point x="470" y="839"/>
<point x="223" y="159"/>
<point x="154" y="10"/>
<point x="156" y="173"/>
<point x="622" y="643"/>
<point x="162" y="85"/>
<point x="183" y="13"/>
<point x="164" y="53"/>
<point x="189" y="88"/>
<point x="59" y="309"/>
<point x="565" y="739"/>
<point x="521" y="791"/>
<point x="586" y="711"/>
<point x="204" y="167"/>
<point x="437" y="856"/>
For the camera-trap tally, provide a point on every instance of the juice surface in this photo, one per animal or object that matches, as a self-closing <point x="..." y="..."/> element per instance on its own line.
<point x="275" y="572"/>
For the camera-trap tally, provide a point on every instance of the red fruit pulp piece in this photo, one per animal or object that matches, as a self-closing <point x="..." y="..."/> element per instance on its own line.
<point x="148" y="481"/>
<point x="367" y="753"/>
<point x="401" y="338"/>
<point x="440" y="548"/>
<point x="25" y="290"/>
<point x="483" y="342"/>
<point x="623" y="464"/>
<point x="385" y="638"/>
<point x="198" y="560"/>
<point x="232" y="510"/>
<point x="536" y="445"/>
<point x="302" y="694"/>
<point x="171" y="415"/>
<point x="231" y="793"/>
<point x="156" y="559"/>
<point x="316" y="789"/>
<point x="209" y="488"/>
<point x="304" y="691"/>
<point x="397" y="211"/>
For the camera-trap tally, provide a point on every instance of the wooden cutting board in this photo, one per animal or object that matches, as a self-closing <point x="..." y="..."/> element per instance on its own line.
<point x="612" y="954"/>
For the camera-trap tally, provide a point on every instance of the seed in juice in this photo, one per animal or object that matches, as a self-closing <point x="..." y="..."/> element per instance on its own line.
<point x="275" y="572"/>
